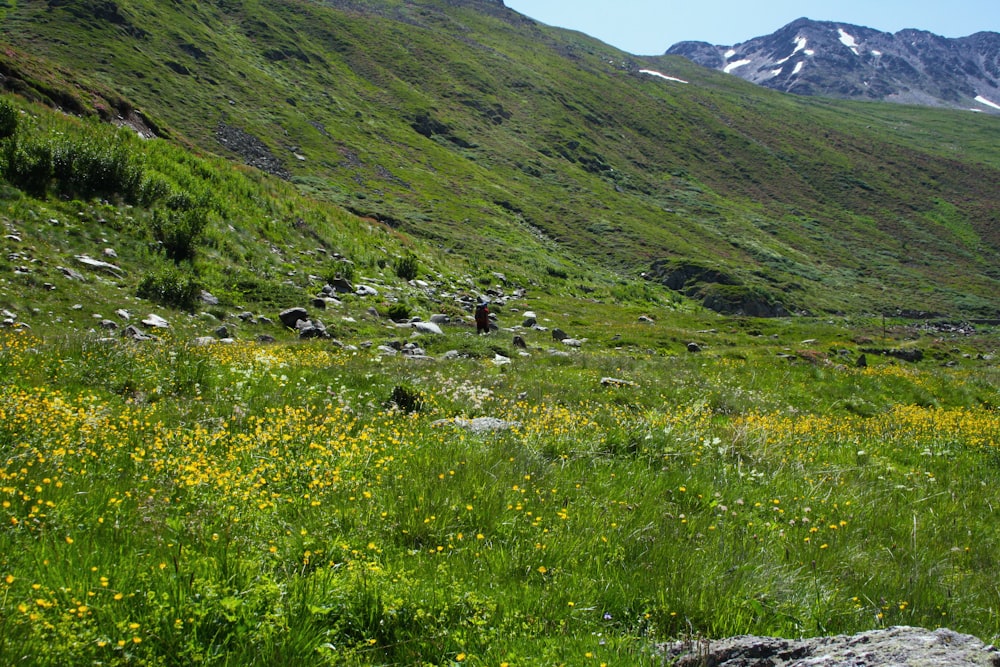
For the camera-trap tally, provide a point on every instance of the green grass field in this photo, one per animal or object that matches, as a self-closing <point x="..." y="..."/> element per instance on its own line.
<point x="249" y="504"/>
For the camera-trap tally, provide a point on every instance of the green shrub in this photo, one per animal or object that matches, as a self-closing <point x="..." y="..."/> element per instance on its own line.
<point x="407" y="267"/>
<point x="93" y="166"/>
<point x="28" y="166"/>
<point x="178" y="232"/>
<point x="171" y="288"/>
<point x="8" y="119"/>
<point x="406" y="398"/>
<point x="398" y="312"/>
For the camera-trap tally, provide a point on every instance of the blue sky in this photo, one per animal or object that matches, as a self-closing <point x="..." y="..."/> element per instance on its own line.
<point x="649" y="27"/>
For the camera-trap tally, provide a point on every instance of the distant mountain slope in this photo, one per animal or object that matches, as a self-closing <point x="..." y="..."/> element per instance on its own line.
<point x="853" y="62"/>
<point x="537" y="149"/>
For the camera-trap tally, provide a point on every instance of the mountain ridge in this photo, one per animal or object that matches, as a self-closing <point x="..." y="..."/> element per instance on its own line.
<point x="848" y="61"/>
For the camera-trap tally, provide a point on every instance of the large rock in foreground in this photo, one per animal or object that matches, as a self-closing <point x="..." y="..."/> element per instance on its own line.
<point x="898" y="646"/>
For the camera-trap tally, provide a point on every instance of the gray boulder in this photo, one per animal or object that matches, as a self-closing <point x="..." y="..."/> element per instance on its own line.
<point x="291" y="316"/>
<point x="901" y="645"/>
<point x="427" y="328"/>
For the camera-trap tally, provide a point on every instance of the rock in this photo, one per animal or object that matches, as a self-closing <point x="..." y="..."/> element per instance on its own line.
<point x="116" y="271"/>
<point x="319" y="303"/>
<point x="223" y="332"/>
<point x="203" y="341"/>
<point x="500" y="360"/>
<point x="311" y="329"/>
<point x="208" y="298"/>
<point x="265" y="338"/>
<point x="694" y="347"/>
<point x="478" y="425"/>
<point x="519" y="343"/>
<point x="109" y="325"/>
<point x="646" y="319"/>
<point x="427" y="328"/>
<point x="366" y="290"/>
<point x="71" y="274"/>
<point x="386" y="351"/>
<point x="291" y="316"/>
<point x="155" y="321"/>
<point x="133" y="333"/>
<point x="617" y="382"/>
<point x="246" y="316"/>
<point x="572" y="342"/>
<point x="342" y="285"/>
<point x="440" y="319"/>
<point x="862" y="362"/>
<point x="124" y="314"/>
<point x="559" y="334"/>
<point x="529" y="321"/>
<point x="899" y="645"/>
<point x="110" y="253"/>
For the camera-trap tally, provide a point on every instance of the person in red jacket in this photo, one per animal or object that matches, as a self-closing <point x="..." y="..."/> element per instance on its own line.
<point x="482" y="317"/>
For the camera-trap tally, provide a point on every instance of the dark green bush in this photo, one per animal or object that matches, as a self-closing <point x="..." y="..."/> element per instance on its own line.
<point x="8" y="119"/>
<point x="28" y="165"/>
<point x="178" y="232"/>
<point x="398" y="312"/>
<point x="406" y="399"/>
<point x="407" y="267"/>
<point x="170" y="288"/>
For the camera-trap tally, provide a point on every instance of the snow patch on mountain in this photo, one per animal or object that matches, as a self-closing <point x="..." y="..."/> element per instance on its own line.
<point x="983" y="100"/>
<point x="735" y="64"/>
<point x="652" y="72"/>
<point x="848" y="41"/>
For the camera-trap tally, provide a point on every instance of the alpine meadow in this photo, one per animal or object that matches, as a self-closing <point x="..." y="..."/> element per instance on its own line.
<point x="740" y="376"/>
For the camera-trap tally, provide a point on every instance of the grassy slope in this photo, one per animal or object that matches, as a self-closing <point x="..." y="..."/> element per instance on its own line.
<point x="538" y="133"/>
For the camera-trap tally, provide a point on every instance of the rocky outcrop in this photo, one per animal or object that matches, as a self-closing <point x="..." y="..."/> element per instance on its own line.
<point x="897" y="646"/>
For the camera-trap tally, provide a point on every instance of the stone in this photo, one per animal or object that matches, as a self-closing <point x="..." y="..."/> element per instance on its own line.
<point x="693" y="347"/>
<point x="427" y="328"/>
<point x="899" y="645"/>
<point x="559" y="334"/>
<point x="862" y="362"/>
<point x="519" y="343"/>
<point x="617" y="382"/>
<point x="291" y="316"/>
<point x="572" y="342"/>
<point x="440" y="319"/>
<point x="116" y="271"/>
<point x="155" y="321"/>
<point x="208" y="298"/>
<point x="478" y="425"/>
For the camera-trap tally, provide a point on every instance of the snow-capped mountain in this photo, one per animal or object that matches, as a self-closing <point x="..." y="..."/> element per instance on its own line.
<point x="847" y="61"/>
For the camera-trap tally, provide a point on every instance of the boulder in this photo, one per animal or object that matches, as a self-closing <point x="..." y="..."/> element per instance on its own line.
<point x="901" y="645"/>
<point x="559" y="334"/>
<point x="427" y="328"/>
<point x="155" y="321"/>
<point x="291" y="316"/>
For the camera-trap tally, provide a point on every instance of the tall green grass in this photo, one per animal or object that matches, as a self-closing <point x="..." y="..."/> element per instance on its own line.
<point x="165" y="504"/>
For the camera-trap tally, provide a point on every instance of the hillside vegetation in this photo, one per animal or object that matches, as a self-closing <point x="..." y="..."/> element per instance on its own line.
<point x="520" y="146"/>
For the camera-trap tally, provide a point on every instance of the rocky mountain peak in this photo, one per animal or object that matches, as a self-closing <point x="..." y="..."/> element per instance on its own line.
<point x="841" y="60"/>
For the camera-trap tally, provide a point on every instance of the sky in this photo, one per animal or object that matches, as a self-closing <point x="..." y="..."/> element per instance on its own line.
<point x="650" y="27"/>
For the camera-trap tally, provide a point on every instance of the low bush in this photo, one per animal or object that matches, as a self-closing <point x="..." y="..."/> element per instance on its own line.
<point x="170" y="288"/>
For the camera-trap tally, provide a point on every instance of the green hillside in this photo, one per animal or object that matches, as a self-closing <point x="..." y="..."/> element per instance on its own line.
<point x="534" y="151"/>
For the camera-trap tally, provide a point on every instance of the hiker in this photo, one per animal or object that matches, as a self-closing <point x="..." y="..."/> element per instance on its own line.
<point x="482" y="317"/>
